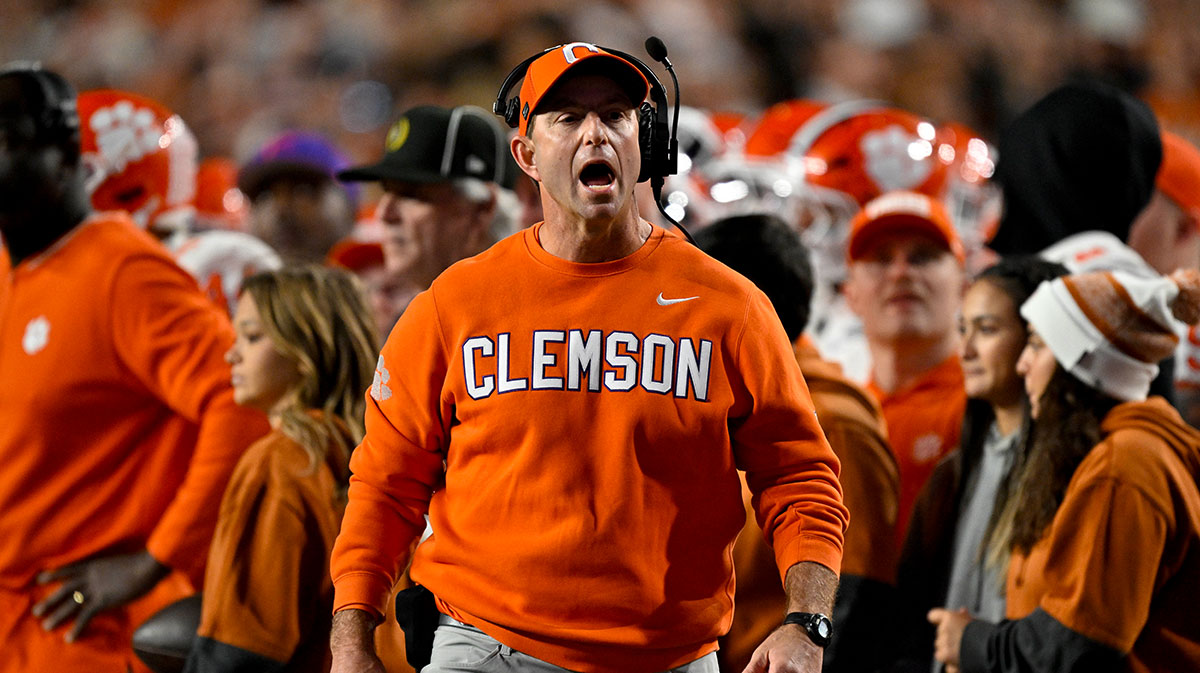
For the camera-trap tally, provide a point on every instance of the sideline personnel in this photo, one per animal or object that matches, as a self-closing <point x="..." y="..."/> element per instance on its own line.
<point x="571" y="407"/>
<point x="118" y="428"/>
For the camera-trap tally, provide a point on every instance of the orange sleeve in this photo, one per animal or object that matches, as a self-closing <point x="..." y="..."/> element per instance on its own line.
<point x="790" y="468"/>
<point x="399" y="463"/>
<point x="174" y="341"/>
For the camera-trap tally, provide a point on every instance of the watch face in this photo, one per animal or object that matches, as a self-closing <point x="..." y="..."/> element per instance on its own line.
<point x="823" y="627"/>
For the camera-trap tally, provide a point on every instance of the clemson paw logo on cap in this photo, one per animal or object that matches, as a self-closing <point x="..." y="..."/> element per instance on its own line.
<point x="125" y="133"/>
<point x="397" y="134"/>
<point x="894" y="158"/>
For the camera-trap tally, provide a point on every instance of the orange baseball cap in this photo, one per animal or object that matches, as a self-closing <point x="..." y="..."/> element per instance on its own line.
<point x="902" y="211"/>
<point x="550" y="67"/>
<point x="1179" y="175"/>
<point x="355" y="255"/>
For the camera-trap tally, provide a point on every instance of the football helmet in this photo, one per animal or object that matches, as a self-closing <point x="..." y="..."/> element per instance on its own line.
<point x="774" y="130"/>
<point x="220" y="260"/>
<point x="701" y="142"/>
<point x="972" y="199"/>
<point x="842" y="156"/>
<point x="140" y="158"/>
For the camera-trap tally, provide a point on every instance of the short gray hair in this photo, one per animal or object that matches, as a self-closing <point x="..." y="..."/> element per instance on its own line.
<point x="506" y="217"/>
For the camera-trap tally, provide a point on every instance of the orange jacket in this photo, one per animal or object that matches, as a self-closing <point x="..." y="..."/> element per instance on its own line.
<point x="1119" y="563"/>
<point x="267" y="594"/>
<point x="592" y="419"/>
<point x="117" y="421"/>
<point x="924" y="420"/>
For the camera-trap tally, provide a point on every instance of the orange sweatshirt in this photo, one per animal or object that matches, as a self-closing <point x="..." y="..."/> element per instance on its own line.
<point x="267" y="594"/>
<point x="1120" y="563"/>
<point x="924" y="420"/>
<point x="592" y="419"/>
<point x="117" y="421"/>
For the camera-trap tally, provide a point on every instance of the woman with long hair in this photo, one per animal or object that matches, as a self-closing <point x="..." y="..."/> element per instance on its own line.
<point x="946" y="559"/>
<point x="305" y="354"/>
<point x="1104" y="524"/>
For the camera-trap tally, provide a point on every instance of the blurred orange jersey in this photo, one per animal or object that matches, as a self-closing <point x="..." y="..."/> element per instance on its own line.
<point x="924" y="420"/>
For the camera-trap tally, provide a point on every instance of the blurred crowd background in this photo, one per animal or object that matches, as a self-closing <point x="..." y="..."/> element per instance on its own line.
<point x="239" y="71"/>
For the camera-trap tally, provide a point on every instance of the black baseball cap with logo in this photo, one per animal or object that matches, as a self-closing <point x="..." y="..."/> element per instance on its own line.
<point x="436" y="144"/>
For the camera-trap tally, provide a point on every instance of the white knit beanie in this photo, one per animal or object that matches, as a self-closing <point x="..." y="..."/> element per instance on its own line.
<point x="1110" y="328"/>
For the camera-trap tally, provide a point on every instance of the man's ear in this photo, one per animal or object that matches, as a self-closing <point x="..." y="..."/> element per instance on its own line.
<point x="851" y="291"/>
<point x="524" y="152"/>
<point x="486" y="210"/>
<point x="1188" y="224"/>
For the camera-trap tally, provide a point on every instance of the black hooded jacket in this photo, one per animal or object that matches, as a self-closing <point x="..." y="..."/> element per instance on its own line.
<point x="1082" y="158"/>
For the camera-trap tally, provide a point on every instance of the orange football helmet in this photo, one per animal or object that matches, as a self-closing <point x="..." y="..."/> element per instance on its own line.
<point x="972" y="199"/>
<point x="773" y="132"/>
<point x="852" y="152"/>
<point x="841" y="156"/>
<point x="141" y="158"/>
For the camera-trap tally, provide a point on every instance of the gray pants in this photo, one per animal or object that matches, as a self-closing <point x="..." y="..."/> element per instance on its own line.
<point x="459" y="648"/>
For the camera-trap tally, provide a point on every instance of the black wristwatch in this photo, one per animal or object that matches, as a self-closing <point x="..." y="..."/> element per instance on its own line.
<point x="818" y="626"/>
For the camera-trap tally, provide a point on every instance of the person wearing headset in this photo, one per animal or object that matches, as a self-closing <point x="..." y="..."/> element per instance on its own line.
<point x="571" y="408"/>
<point x="118" y="426"/>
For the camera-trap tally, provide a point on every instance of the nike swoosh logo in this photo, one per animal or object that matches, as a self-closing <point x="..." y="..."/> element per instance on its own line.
<point x="668" y="302"/>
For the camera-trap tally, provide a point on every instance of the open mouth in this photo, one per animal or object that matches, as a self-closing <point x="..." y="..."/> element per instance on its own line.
<point x="597" y="175"/>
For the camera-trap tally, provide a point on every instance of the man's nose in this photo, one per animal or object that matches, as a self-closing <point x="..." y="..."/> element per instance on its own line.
<point x="899" y="265"/>
<point x="594" y="129"/>
<point x="388" y="210"/>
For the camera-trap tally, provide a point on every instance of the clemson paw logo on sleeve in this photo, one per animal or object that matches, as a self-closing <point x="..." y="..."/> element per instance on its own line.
<point x="379" y="389"/>
<point x="125" y="134"/>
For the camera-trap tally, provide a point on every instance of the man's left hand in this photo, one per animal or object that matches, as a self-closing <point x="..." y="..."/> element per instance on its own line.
<point x="92" y="586"/>
<point x="787" y="650"/>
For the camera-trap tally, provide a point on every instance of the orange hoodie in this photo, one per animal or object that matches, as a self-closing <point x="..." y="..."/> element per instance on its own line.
<point x="592" y="419"/>
<point x="1120" y="563"/>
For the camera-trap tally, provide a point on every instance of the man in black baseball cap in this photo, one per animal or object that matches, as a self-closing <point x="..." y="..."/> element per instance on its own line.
<point x="447" y="177"/>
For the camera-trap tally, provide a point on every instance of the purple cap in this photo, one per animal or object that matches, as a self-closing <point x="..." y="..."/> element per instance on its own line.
<point x="295" y="154"/>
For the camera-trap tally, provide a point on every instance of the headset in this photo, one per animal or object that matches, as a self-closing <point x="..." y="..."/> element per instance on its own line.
<point x="653" y="135"/>
<point x="658" y="145"/>
<point x="57" y="119"/>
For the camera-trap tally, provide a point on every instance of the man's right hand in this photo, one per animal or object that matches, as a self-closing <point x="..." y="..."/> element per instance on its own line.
<point x="352" y="643"/>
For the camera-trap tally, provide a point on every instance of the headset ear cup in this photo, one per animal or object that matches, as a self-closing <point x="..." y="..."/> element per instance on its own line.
<point x="646" y="142"/>
<point x="512" y="113"/>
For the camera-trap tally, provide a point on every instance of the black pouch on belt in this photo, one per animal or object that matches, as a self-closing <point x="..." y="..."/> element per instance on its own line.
<point x="417" y="614"/>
